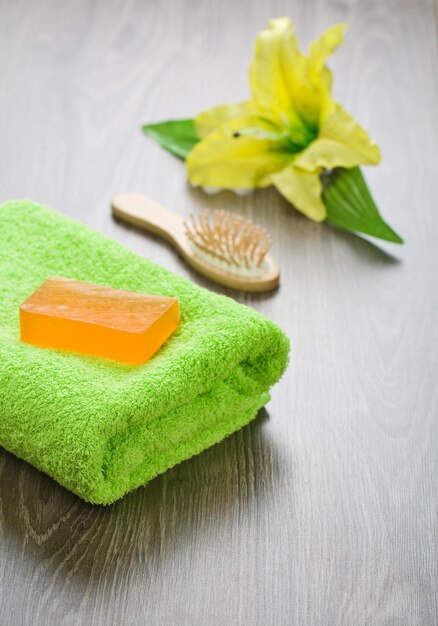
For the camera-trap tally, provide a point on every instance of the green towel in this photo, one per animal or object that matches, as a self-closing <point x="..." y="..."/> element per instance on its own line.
<point x="101" y="428"/>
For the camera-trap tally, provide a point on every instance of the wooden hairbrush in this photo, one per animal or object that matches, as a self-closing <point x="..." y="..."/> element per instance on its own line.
<point x="223" y="246"/>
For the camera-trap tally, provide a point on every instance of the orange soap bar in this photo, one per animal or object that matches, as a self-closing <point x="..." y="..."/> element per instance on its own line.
<point x="81" y="317"/>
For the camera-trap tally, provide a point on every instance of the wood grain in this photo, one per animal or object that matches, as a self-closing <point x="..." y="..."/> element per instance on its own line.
<point x="324" y="510"/>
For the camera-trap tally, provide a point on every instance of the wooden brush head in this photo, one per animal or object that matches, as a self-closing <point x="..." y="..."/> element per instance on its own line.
<point x="229" y="237"/>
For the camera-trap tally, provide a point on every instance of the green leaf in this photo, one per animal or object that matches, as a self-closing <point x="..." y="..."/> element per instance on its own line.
<point x="177" y="136"/>
<point x="350" y="205"/>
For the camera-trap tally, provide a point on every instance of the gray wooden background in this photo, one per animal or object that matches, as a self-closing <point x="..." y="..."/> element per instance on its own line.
<point x="324" y="510"/>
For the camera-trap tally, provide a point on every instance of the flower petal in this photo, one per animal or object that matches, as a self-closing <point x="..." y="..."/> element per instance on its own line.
<point x="208" y="121"/>
<point x="303" y="190"/>
<point x="341" y="142"/>
<point x="321" y="49"/>
<point x="275" y="52"/>
<point x="225" y="160"/>
<point x="284" y="84"/>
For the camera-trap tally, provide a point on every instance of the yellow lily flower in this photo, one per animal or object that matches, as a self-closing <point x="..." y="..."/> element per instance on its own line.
<point x="289" y="133"/>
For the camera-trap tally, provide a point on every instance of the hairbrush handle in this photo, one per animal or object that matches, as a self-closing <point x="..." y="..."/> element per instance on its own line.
<point x="144" y="212"/>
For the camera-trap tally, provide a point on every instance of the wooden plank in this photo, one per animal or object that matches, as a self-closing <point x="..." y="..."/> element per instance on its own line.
<point x="324" y="510"/>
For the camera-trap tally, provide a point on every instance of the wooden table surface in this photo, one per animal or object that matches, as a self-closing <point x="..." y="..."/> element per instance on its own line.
<point x="324" y="510"/>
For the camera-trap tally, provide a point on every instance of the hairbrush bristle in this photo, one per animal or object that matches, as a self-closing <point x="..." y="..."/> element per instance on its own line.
<point x="228" y="237"/>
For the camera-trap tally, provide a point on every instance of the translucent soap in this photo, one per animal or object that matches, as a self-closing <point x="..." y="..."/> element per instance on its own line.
<point x="81" y="317"/>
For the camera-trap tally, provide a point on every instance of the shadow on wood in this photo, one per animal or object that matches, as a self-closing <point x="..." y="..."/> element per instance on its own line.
<point x="77" y="543"/>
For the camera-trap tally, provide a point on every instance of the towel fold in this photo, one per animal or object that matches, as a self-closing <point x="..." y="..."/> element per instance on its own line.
<point x="101" y="428"/>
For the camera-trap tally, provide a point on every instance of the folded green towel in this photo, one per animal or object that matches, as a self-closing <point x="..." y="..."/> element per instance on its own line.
<point x="101" y="428"/>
